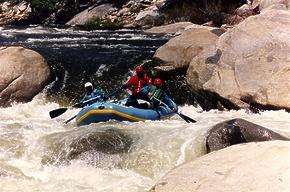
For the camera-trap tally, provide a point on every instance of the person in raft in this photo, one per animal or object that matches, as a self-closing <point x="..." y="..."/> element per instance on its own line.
<point x="92" y="94"/>
<point x="136" y="83"/>
<point x="157" y="96"/>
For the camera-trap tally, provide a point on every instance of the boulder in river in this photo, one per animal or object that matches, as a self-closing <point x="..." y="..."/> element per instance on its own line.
<point x="237" y="131"/>
<point x="91" y="13"/>
<point x="76" y="144"/>
<point x="23" y="74"/>
<point x="250" y="63"/>
<point x="179" y="51"/>
<point x="262" y="166"/>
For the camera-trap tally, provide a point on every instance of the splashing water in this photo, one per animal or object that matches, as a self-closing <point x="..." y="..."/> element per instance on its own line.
<point x="29" y="136"/>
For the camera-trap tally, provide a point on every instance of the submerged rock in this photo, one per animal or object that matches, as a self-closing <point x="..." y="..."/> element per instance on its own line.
<point x="11" y="171"/>
<point x="86" y="143"/>
<point x="262" y="166"/>
<point x="237" y="131"/>
<point x="23" y="74"/>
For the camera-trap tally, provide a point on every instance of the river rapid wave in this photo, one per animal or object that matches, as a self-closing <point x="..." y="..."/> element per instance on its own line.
<point x="38" y="153"/>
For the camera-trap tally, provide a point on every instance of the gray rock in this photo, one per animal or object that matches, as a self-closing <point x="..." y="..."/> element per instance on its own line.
<point x="96" y="12"/>
<point x="238" y="131"/>
<point x="81" y="143"/>
<point x="149" y="17"/>
<point x="23" y="74"/>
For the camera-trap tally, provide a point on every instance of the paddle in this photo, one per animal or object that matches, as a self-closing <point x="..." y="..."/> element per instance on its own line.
<point x="184" y="117"/>
<point x="113" y="93"/>
<point x="105" y="98"/>
<point x="57" y="112"/>
<point x="66" y="122"/>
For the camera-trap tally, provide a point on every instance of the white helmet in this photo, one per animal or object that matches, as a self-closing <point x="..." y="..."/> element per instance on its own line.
<point x="88" y="84"/>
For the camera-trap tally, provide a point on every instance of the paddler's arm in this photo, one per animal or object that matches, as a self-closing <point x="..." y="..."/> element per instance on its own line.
<point x="171" y="104"/>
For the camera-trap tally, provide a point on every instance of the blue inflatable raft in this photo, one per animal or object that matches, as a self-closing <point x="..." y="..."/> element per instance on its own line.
<point x="105" y="111"/>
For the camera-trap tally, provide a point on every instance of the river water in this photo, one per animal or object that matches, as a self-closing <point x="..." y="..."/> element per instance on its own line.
<point x="42" y="154"/>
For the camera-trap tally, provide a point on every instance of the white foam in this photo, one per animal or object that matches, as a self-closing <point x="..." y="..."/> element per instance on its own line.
<point x="157" y="146"/>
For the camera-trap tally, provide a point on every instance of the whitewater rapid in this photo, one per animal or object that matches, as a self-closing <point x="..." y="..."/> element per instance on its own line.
<point x="28" y="137"/>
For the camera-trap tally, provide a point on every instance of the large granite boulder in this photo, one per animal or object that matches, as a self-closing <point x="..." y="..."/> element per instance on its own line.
<point x="262" y="166"/>
<point x="249" y="63"/>
<point x="179" y="51"/>
<point x="149" y="17"/>
<point x="23" y="74"/>
<point x="85" y="16"/>
<point x="238" y="131"/>
<point x="271" y="4"/>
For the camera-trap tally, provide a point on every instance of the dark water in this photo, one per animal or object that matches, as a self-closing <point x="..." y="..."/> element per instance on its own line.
<point x="77" y="56"/>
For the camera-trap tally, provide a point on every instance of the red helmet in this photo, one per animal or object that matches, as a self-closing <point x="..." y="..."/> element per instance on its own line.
<point x="139" y="69"/>
<point x="158" y="82"/>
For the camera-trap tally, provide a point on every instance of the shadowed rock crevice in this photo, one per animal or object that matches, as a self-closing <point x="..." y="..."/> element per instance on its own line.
<point x="214" y="59"/>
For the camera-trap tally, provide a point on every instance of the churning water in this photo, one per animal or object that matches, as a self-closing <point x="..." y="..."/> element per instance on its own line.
<point x="42" y="154"/>
<point x="77" y="56"/>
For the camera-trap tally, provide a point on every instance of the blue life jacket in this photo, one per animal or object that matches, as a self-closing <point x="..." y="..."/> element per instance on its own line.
<point x="98" y="94"/>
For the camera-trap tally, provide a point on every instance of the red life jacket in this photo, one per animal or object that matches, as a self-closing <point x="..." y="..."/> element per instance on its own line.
<point x="136" y="83"/>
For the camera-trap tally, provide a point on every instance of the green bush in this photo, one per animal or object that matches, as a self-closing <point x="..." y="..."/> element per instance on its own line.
<point x="44" y="5"/>
<point x="201" y="11"/>
<point x="99" y="23"/>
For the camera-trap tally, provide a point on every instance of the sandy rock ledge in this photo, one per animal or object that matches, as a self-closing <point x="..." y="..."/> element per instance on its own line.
<point x="263" y="166"/>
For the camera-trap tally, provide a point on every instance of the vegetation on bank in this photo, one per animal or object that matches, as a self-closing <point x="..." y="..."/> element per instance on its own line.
<point x="197" y="11"/>
<point x="99" y="23"/>
<point x="201" y="11"/>
<point x="41" y="8"/>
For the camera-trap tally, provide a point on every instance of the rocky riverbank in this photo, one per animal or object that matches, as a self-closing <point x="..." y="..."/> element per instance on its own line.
<point x="239" y="67"/>
<point x="125" y="13"/>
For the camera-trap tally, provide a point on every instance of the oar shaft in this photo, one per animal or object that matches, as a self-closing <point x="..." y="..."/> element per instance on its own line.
<point x="67" y="121"/>
<point x="184" y="117"/>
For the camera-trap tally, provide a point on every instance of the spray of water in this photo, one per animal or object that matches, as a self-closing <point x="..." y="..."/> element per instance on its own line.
<point x="42" y="154"/>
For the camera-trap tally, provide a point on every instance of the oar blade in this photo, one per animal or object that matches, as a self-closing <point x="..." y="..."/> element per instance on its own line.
<point x="186" y="118"/>
<point x="57" y="112"/>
